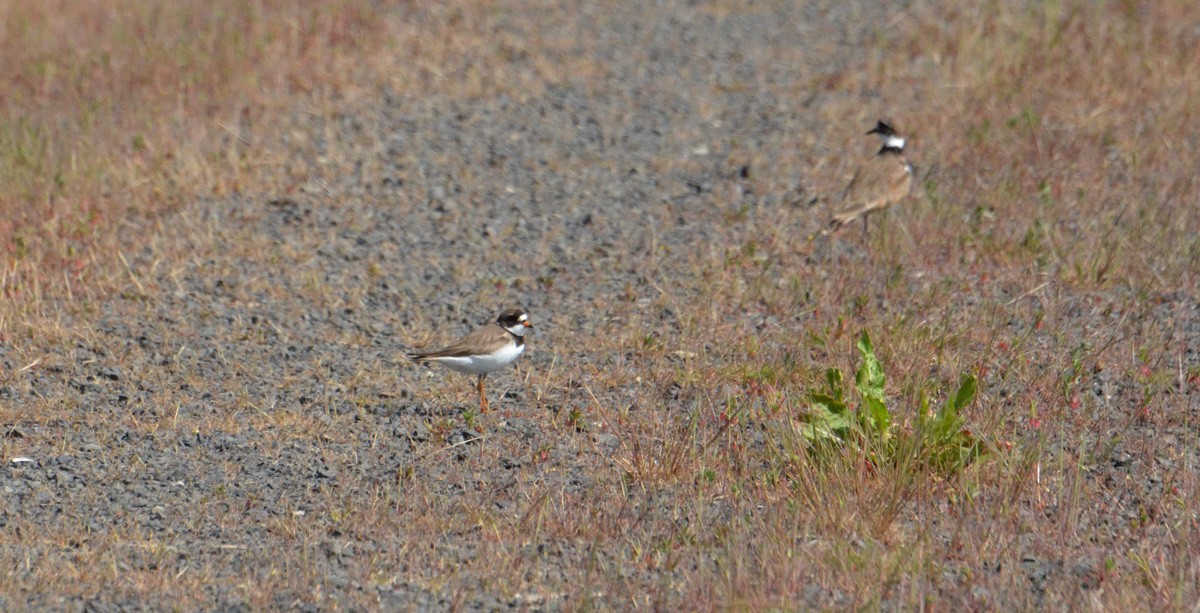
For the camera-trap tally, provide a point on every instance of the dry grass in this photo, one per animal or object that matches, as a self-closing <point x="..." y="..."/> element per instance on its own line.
<point x="1051" y="251"/>
<point x="116" y="110"/>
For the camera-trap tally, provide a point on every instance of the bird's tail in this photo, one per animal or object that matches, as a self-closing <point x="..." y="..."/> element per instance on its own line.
<point x="838" y="221"/>
<point x="842" y="219"/>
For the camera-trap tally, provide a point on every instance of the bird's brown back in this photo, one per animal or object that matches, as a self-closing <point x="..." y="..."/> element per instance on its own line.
<point x="480" y="341"/>
<point x="881" y="182"/>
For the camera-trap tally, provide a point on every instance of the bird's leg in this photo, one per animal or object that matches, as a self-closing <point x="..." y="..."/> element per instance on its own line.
<point x="866" y="216"/>
<point x="483" y="403"/>
<point x="885" y="228"/>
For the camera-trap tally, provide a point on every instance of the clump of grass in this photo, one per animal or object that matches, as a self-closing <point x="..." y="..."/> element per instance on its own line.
<point x="940" y="441"/>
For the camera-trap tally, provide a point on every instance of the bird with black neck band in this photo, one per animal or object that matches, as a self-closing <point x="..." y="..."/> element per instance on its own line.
<point x="484" y="350"/>
<point x="879" y="183"/>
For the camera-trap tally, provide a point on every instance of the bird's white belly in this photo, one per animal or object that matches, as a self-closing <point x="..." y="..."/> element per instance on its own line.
<point x="483" y="364"/>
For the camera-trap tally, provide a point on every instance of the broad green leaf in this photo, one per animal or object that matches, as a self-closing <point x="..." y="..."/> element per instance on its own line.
<point x="834" y="418"/>
<point x="821" y="423"/>
<point x="965" y="395"/>
<point x="877" y="415"/>
<point x="870" y="378"/>
<point x="864" y="344"/>
<point x="836" y="405"/>
<point x="814" y="433"/>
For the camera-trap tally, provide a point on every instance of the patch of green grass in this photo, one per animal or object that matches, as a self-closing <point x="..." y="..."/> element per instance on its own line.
<point x="832" y="421"/>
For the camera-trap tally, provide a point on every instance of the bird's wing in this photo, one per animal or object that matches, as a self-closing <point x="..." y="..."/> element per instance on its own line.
<point x="480" y="341"/>
<point x="874" y="186"/>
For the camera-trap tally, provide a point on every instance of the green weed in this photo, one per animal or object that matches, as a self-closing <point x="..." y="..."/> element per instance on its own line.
<point x="833" y="421"/>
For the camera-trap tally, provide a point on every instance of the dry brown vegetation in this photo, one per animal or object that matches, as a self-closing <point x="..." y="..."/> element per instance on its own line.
<point x="116" y="109"/>
<point x="1051" y="250"/>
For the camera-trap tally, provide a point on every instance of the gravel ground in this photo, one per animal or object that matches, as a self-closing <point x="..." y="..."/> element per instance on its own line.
<point x="263" y="436"/>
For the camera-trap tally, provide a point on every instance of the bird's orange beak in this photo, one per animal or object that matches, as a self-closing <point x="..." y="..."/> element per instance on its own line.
<point x="527" y="324"/>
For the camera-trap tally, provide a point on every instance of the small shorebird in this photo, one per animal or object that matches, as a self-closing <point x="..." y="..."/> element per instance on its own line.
<point x="484" y="350"/>
<point x="879" y="183"/>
